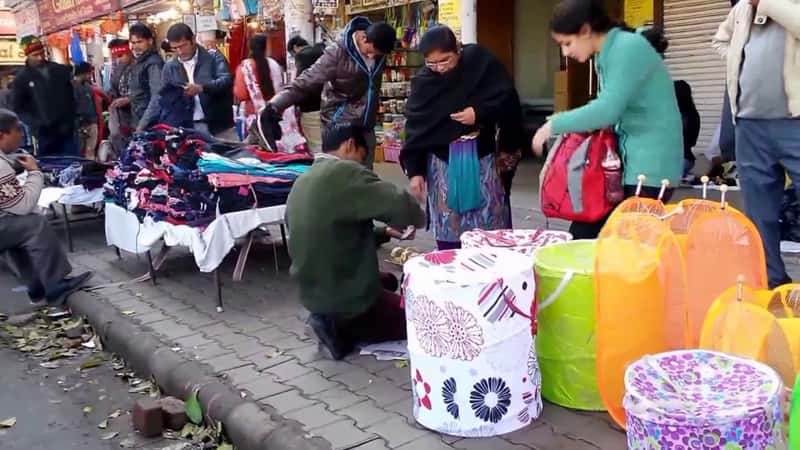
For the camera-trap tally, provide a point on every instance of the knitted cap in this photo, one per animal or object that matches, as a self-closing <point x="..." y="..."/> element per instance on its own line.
<point x="31" y="44"/>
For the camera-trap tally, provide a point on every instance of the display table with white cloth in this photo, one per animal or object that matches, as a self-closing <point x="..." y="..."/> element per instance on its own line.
<point x="209" y="246"/>
<point x="70" y="196"/>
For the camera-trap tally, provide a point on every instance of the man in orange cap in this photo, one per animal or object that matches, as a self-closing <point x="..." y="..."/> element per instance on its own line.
<point x="44" y="99"/>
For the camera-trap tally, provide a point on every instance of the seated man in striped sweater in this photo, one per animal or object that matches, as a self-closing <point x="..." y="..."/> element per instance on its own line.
<point x="25" y="235"/>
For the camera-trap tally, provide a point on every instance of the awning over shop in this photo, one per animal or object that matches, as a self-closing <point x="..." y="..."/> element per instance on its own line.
<point x="56" y="15"/>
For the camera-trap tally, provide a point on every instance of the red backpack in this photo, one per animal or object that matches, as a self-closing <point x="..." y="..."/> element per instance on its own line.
<point x="581" y="180"/>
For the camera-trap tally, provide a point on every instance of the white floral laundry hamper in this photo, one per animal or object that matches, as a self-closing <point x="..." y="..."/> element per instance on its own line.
<point x="522" y="241"/>
<point x="471" y="341"/>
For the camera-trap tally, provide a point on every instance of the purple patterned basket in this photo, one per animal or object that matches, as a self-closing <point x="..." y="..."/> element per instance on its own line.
<point x="697" y="399"/>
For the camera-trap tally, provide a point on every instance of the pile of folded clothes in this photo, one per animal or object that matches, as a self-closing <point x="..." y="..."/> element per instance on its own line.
<point x="66" y="171"/>
<point x="186" y="178"/>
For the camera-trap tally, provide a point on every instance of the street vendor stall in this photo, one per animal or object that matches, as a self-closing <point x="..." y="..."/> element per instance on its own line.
<point x="185" y="189"/>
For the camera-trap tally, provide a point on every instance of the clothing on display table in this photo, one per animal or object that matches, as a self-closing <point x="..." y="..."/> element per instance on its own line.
<point x="185" y="177"/>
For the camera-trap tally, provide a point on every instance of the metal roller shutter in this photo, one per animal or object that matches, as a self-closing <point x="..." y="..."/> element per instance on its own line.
<point x="690" y="25"/>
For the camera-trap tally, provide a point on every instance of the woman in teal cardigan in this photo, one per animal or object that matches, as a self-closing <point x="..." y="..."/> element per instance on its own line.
<point x="636" y="98"/>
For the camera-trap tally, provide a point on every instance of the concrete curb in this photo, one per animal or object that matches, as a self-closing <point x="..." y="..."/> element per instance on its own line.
<point x="246" y="424"/>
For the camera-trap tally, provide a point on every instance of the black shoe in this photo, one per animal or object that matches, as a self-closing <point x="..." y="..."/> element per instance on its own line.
<point x="324" y="330"/>
<point x="36" y="291"/>
<point x="389" y="282"/>
<point x="66" y="287"/>
<point x="56" y="313"/>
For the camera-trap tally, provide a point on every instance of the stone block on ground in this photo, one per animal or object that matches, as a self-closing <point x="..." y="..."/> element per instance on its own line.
<point x="148" y="418"/>
<point x="174" y="411"/>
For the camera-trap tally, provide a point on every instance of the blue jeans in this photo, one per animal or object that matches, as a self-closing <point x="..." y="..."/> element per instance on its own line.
<point x="765" y="151"/>
<point x="52" y="143"/>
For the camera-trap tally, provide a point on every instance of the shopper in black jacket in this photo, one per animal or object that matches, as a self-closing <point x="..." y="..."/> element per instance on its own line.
<point x="44" y="99"/>
<point x="305" y="56"/>
<point x="145" y="77"/>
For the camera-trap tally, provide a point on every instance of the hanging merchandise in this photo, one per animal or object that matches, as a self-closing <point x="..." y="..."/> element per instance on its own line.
<point x="113" y="24"/>
<point x="238" y="9"/>
<point x="237" y="50"/>
<point x="326" y="7"/>
<point x="75" y="50"/>
<point x="410" y="21"/>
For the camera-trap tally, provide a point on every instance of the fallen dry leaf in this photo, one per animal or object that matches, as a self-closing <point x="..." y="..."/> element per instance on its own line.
<point x="142" y="388"/>
<point x="115" y="414"/>
<point x="129" y="312"/>
<point x="92" y="362"/>
<point x="87" y="410"/>
<point x="109" y="436"/>
<point x="8" y="423"/>
<point x="103" y="425"/>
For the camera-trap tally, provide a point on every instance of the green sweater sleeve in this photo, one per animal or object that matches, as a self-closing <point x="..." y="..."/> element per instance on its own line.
<point x="628" y="63"/>
<point x="374" y="199"/>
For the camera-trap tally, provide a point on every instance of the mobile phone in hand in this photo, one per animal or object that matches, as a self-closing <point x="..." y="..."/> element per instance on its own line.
<point x="408" y="232"/>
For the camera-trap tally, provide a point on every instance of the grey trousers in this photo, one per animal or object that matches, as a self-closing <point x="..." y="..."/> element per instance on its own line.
<point x="765" y="151"/>
<point x="34" y="250"/>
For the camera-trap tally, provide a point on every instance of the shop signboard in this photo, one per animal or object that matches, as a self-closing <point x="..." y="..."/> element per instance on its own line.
<point x="7" y="25"/>
<point x="191" y="20"/>
<point x="26" y="20"/>
<point x="639" y="12"/>
<point x="206" y="23"/>
<point x="11" y="53"/>
<point x="56" y="15"/>
<point x="450" y="15"/>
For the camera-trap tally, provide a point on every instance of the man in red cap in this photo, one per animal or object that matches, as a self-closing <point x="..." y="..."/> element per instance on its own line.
<point x="120" y="122"/>
<point x="45" y="100"/>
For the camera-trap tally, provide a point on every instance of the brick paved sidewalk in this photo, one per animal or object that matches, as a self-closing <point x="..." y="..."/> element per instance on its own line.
<point x="259" y="346"/>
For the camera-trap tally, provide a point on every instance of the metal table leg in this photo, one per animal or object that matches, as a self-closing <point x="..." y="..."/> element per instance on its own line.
<point x="67" y="227"/>
<point x="218" y="284"/>
<point x="283" y="237"/>
<point x="151" y="269"/>
<point x="116" y="250"/>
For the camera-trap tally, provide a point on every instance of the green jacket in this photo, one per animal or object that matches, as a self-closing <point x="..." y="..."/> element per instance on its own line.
<point x="330" y="214"/>
<point x="637" y="98"/>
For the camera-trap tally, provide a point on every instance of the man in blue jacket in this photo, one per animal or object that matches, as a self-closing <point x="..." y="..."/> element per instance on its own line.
<point x="206" y="79"/>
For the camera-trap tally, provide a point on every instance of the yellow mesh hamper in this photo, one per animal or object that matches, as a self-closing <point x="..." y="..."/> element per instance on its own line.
<point x="720" y="246"/>
<point x="640" y="299"/>
<point x="784" y="303"/>
<point x="738" y="325"/>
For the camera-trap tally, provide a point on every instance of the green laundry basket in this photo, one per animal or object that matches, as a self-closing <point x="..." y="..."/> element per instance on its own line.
<point x="565" y="342"/>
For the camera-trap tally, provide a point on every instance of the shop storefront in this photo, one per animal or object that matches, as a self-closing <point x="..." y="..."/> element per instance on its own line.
<point x="690" y="25"/>
<point x="11" y="55"/>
